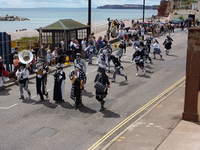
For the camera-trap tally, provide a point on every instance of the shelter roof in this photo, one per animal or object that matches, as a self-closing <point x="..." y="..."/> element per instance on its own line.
<point x="65" y="24"/>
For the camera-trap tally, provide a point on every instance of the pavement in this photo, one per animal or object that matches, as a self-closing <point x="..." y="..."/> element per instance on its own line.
<point x="160" y="128"/>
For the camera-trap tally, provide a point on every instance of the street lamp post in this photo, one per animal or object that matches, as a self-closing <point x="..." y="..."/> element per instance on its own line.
<point x="89" y="16"/>
<point x="143" y="9"/>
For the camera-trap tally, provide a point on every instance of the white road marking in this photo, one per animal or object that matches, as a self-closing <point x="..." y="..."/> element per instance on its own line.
<point x="17" y="103"/>
<point x="9" y="106"/>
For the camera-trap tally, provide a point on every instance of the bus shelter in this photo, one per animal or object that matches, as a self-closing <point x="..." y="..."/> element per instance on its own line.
<point x="65" y="28"/>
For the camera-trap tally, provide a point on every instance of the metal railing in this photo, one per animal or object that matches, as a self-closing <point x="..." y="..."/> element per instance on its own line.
<point x="28" y="45"/>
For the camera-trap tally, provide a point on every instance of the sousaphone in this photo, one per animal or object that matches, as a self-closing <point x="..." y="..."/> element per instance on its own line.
<point x="25" y="56"/>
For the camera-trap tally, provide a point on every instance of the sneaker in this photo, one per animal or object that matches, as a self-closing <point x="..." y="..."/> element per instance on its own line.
<point x="137" y="74"/>
<point x="131" y="61"/>
<point x="113" y="81"/>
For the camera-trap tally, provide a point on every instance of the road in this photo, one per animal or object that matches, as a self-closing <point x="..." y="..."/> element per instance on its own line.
<point x="30" y="124"/>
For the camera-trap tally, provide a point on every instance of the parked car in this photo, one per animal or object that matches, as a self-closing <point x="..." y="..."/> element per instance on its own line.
<point x="177" y="21"/>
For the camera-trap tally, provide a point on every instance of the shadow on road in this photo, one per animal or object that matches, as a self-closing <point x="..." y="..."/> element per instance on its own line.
<point x="5" y="92"/>
<point x="109" y="114"/>
<point x="86" y="109"/>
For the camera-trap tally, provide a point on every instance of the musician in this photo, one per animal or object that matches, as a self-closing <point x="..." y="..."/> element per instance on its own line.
<point x="59" y="84"/>
<point x="78" y="78"/>
<point x="22" y="77"/>
<point x="41" y="79"/>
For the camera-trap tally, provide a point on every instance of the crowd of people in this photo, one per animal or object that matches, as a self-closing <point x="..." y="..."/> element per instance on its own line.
<point x="83" y="52"/>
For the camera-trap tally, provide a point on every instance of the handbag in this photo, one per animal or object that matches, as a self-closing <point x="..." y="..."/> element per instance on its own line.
<point x="5" y="73"/>
<point x="99" y="86"/>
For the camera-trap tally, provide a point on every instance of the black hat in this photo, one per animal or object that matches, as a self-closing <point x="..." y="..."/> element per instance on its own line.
<point x="141" y="43"/>
<point x="59" y="66"/>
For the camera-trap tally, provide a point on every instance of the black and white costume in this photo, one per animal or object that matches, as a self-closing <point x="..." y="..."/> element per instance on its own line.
<point x="78" y="79"/>
<point x="118" y="66"/>
<point x="103" y="78"/>
<point x="59" y="84"/>
<point x="22" y="77"/>
<point x="81" y="62"/>
<point x="167" y="44"/>
<point x="139" y="60"/>
<point x="103" y="59"/>
<point x="122" y="49"/>
<point x="41" y="79"/>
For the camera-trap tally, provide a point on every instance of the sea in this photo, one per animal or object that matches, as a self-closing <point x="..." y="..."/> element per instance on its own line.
<point x="41" y="17"/>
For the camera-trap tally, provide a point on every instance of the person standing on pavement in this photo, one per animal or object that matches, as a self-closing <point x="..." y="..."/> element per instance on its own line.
<point x="103" y="79"/>
<point x="118" y="66"/>
<point x="22" y="76"/>
<point x="2" y="76"/>
<point x="78" y="78"/>
<point x="59" y="84"/>
<point x="41" y="79"/>
<point x="16" y="62"/>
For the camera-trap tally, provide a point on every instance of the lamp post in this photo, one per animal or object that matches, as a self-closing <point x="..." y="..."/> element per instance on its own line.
<point x="143" y="9"/>
<point x="40" y="42"/>
<point x="89" y="16"/>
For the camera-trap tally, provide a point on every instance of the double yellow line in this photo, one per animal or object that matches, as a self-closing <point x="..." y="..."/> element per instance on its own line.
<point x="134" y="114"/>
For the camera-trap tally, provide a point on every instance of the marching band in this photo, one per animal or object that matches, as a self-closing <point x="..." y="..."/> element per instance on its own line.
<point x="78" y="74"/>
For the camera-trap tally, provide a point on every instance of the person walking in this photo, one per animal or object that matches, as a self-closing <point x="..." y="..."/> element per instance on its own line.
<point x="41" y="79"/>
<point x="122" y="49"/>
<point x="22" y="77"/>
<point x="118" y="66"/>
<point x="89" y="49"/>
<point x="167" y="44"/>
<point x="139" y="60"/>
<point x="78" y="78"/>
<point x="81" y="62"/>
<point x="156" y="49"/>
<point x="103" y="79"/>
<point x="59" y="84"/>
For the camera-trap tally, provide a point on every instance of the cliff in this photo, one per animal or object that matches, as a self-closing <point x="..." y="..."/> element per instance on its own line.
<point x="126" y="6"/>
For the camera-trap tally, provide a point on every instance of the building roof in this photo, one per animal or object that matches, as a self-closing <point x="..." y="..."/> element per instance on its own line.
<point x="65" y="24"/>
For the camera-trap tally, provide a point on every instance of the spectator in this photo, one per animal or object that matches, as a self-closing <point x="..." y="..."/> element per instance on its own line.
<point x="16" y="62"/>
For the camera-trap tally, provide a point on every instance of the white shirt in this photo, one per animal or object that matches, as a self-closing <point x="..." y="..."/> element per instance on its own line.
<point x="156" y="45"/>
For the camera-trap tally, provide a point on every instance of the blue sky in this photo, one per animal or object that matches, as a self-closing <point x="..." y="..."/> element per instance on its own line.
<point x="68" y="3"/>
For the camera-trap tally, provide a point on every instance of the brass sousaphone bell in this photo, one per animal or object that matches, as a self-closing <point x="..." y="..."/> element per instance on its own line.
<point x="25" y="56"/>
